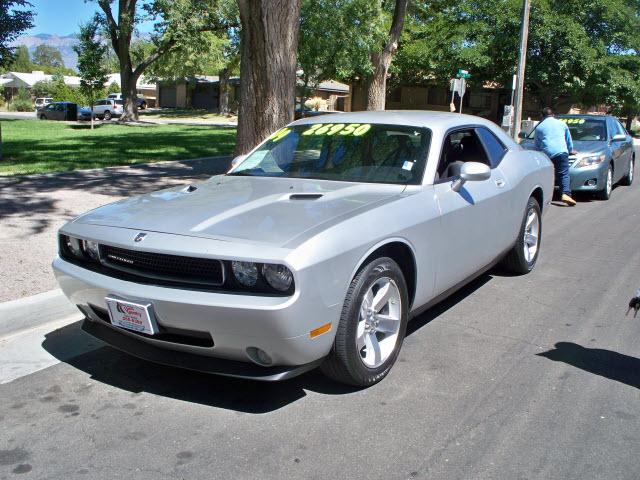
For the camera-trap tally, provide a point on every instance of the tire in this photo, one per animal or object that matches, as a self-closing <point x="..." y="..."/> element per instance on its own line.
<point x="361" y="364"/>
<point x="107" y="115"/>
<point x="628" y="178"/>
<point x="143" y="106"/>
<point x="522" y="258"/>
<point x="42" y="117"/>
<point x="605" y="193"/>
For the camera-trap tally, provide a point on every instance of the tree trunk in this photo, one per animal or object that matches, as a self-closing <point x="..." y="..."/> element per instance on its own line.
<point x="269" y="45"/>
<point x="224" y="92"/>
<point x="377" y="84"/>
<point x="128" y="81"/>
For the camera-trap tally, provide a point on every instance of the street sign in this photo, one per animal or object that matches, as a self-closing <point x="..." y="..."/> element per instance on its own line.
<point x="463" y="74"/>
<point x="459" y="86"/>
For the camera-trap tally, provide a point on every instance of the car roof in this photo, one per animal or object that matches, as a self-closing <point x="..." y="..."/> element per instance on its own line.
<point x="583" y="115"/>
<point x="413" y="118"/>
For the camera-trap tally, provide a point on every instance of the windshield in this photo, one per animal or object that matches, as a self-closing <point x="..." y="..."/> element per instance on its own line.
<point x="349" y="152"/>
<point x="584" y="129"/>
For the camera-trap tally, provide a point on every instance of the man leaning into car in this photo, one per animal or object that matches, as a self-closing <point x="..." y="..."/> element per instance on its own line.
<point x="554" y="139"/>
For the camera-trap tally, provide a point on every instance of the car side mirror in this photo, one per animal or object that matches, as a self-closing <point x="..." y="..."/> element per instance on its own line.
<point x="237" y="161"/>
<point x="471" y="172"/>
<point x="522" y="135"/>
<point x="618" y="138"/>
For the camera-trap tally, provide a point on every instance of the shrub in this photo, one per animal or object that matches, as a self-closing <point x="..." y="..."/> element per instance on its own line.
<point x="22" y="102"/>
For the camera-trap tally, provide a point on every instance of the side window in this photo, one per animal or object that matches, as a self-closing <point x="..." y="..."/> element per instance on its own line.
<point x="619" y="128"/>
<point x="460" y="147"/>
<point x="494" y="147"/>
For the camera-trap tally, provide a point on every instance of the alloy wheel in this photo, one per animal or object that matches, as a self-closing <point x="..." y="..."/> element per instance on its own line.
<point x="609" y="185"/>
<point x="379" y="322"/>
<point x="531" y="235"/>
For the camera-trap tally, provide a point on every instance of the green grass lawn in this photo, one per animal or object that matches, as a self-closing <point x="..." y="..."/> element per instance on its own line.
<point x="39" y="146"/>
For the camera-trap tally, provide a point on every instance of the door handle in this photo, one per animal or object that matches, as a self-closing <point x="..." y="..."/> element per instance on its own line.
<point x="500" y="183"/>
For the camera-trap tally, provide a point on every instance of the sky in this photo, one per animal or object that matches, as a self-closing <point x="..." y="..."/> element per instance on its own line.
<point x="60" y="17"/>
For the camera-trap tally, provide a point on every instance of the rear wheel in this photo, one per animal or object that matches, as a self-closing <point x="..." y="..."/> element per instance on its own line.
<point x="523" y="256"/>
<point x="107" y="115"/>
<point x="605" y="193"/>
<point x="372" y="325"/>
<point x="628" y="178"/>
<point x="42" y="117"/>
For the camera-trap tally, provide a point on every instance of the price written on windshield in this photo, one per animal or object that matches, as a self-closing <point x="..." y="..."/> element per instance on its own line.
<point x="327" y="129"/>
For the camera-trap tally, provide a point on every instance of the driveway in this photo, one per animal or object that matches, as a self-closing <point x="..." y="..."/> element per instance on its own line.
<point x="32" y="208"/>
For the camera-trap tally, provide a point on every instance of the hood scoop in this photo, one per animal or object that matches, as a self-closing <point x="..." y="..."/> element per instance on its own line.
<point x="305" y="196"/>
<point x="190" y="188"/>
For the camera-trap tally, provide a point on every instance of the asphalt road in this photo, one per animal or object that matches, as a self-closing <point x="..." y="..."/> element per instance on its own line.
<point x="532" y="377"/>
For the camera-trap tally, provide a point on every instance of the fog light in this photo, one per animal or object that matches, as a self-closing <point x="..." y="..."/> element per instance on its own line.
<point x="592" y="182"/>
<point x="259" y="356"/>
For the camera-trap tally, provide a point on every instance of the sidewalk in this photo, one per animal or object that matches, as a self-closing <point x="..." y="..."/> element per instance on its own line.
<point x="33" y="207"/>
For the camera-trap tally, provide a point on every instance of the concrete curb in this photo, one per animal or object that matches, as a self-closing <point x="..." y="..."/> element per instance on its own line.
<point x="30" y="312"/>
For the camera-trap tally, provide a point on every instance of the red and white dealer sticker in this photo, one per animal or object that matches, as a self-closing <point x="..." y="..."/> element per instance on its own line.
<point x="132" y="316"/>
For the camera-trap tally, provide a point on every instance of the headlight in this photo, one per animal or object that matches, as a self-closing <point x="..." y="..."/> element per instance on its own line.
<point x="73" y="246"/>
<point x="592" y="160"/>
<point x="91" y="249"/>
<point x="278" y="276"/>
<point x="246" y="273"/>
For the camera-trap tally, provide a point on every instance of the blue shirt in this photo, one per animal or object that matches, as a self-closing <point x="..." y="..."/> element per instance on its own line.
<point x="553" y="137"/>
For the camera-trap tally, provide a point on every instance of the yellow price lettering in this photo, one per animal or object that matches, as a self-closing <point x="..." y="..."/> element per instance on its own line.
<point x="348" y="130"/>
<point x="335" y="129"/>
<point x="312" y="129"/>
<point x="280" y="134"/>
<point x="361" y="130"/>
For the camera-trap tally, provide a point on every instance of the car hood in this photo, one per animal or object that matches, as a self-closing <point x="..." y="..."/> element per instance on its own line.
<point x="583" y="148"/>
<point x="253" y="209"/>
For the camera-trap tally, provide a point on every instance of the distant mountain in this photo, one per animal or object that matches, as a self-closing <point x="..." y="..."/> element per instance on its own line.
<point x="64" y="44"/>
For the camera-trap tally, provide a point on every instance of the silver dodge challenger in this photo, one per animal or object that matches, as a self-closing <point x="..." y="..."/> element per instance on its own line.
<point x="315" y="249"/>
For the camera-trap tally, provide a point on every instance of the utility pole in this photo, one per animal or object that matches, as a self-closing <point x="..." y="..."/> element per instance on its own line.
<point x="522" y="63"/>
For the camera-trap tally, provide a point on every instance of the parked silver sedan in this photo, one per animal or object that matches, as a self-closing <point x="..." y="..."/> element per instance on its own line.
<point x="605" y="153"/>
<point x="315" y="250"/>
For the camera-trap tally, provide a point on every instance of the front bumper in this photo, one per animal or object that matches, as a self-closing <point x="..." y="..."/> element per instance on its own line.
<point x="279" y="326"/>
<point x="589" y="179"/>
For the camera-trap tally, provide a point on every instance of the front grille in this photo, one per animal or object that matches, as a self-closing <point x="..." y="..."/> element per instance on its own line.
<point x="159" y="266"/>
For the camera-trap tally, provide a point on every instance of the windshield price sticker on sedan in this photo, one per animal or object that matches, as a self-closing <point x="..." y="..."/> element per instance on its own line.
<point x="353" y="129"/>
<point x="573" y="121"/>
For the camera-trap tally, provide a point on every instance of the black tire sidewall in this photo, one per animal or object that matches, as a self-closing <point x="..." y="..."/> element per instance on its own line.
<point x="376" y="269"/>
<point x="107" y="115"/>
<point x="529" y="266"/>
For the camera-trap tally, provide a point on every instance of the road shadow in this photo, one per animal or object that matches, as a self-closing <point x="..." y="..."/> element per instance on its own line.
<point x="449" y="302"/>
<point x="112" y="367"/>
<point x="605" y="363"/>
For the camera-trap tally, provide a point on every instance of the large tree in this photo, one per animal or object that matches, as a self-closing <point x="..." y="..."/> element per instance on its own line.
<point x="15" y="18"/>
<point x="376" y="83"/>
<point x="579" y="51"/>
<point x="335" y="40"/>
<point x="176" y="23"/>
<point x="46" y="55"/>
<point x="268" y="43"/>
<point x="91" y="52"/>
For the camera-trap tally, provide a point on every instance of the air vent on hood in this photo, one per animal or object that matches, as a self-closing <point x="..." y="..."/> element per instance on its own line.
<point x="190" y="188"/>
<point x="305" y="196"/>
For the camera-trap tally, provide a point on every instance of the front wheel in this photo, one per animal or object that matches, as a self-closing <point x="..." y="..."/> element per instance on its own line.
<point x="107" y="115"/>
<point x="524" y="254"/>
<point x="372" y="325"/>
<point x="628" y="178"/>
<point x="605" y="193"/>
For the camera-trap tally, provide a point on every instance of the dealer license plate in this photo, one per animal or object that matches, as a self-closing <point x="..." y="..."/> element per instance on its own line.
<point x="131" y="315"/>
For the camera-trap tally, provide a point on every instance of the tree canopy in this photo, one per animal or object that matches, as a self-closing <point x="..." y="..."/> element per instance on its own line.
<point x="15" y="18"/>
